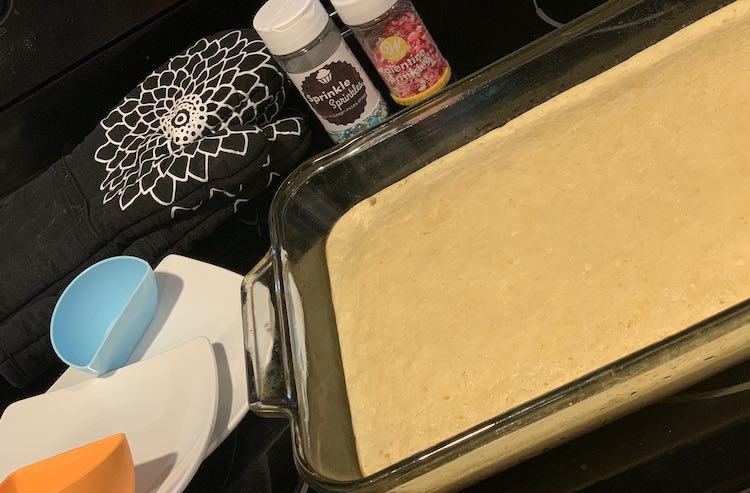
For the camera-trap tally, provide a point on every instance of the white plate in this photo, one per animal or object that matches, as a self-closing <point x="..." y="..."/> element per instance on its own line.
<point x="165" y="405"/>
<point x="197" y="299"/>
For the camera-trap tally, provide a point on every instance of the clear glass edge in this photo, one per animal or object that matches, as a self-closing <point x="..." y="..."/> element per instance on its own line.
<point x="497" y="426"/>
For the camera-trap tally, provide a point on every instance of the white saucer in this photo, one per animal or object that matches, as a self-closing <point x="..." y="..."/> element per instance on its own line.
<point x="197" y="299"/>
<point x="165" y="405"/>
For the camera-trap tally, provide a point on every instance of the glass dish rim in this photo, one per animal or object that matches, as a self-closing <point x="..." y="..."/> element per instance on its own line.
<point x="532" y="410"/>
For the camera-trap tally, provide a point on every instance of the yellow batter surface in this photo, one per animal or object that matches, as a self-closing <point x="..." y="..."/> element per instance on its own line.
<point x="592" y="226"/>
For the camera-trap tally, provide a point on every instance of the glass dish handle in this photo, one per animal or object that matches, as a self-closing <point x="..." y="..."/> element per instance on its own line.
<point x="268" y="390"/>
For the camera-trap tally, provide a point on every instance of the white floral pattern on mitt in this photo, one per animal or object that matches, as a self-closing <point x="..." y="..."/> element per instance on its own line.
<point x="199" y="137"/>
<point x="185" y="114"/>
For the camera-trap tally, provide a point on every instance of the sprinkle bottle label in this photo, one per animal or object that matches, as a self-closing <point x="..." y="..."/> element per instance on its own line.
<point x="338" y="92"/>
<point x="404" y="54"/>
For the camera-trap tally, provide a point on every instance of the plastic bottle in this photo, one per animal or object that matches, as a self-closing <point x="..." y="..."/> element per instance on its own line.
<point x="399" y="45"/>
<point x="309" y="47"/>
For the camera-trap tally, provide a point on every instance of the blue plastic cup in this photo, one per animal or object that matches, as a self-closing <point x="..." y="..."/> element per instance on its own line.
<point x="103" y="313"/>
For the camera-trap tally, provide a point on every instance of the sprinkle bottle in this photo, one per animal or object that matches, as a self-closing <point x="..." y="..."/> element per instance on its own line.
<point x="399" y="45"/>
<point x="309" y="47"/>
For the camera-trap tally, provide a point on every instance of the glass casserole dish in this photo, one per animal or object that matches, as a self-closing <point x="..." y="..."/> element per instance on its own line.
<point x="292" y="344"/>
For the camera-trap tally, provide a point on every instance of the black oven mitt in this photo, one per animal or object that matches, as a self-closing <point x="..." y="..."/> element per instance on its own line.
<point x="163" y="168"/>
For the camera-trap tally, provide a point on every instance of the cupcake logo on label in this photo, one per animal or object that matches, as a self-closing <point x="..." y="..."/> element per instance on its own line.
<point x="336" y="92"/>
<point x="324" y="76"/>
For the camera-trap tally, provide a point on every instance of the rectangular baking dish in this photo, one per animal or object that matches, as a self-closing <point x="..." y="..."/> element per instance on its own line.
<point x="291" y="337"/>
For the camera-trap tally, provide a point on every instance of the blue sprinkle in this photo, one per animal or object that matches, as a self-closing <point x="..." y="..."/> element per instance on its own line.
<point x="379" y="114"/>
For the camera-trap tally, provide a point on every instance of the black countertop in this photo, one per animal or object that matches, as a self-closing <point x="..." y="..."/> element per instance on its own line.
<point x="70" y="62"/>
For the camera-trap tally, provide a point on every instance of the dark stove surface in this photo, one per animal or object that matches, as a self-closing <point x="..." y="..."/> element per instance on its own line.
<point x="696" y="441"/>
<point x="38" y="40"/>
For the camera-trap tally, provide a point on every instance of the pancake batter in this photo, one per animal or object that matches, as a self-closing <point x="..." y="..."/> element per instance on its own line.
<point x="596" y="224"/>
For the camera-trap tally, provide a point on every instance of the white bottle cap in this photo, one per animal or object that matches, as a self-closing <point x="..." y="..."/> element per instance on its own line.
<point x="356" y="12"/>
<point x="288" y="25"/>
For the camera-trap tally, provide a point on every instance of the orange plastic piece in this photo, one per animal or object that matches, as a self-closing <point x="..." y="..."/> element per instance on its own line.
<point x="102" y="466"/>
